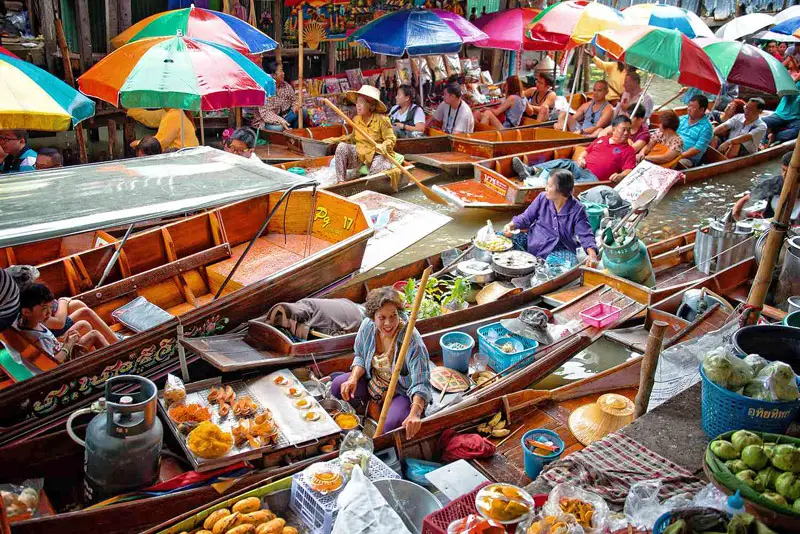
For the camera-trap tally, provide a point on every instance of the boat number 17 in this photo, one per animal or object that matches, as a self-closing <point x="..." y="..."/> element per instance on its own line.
<point x="322" y="215"/>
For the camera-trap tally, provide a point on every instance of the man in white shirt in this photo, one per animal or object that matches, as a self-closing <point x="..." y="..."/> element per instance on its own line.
<point x="453" y="115"/>
<point x="633" y="90"/>
<point x="744" y="131"/>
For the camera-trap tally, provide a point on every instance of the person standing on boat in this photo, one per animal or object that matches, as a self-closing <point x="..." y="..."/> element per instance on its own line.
<point x="743" y="132"/>
<point x="696" y="131"/>
<point x="769" y="189"/>
<point x="542" y="98"/>
<point x="511" y="109"/>
<point x="592" y="116"/>
<point x="354" y="150"/>
<point x="784" y="123"/>
<point x="554" y="220"/>
<point x="408" y="119"/>
<point x="609" y="158"/>
<point x="377" y="344"/>
<point x="614" y="72"/>
<point x="453" y="115"/>
<point x="175" y="127"/>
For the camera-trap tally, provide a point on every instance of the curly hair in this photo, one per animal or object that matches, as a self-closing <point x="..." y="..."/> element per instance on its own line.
<point x="380" y="296"/>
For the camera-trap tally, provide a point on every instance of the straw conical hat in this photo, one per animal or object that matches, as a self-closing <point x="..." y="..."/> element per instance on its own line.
<point x="370" y="93"/>
<point x="594" y="421"/>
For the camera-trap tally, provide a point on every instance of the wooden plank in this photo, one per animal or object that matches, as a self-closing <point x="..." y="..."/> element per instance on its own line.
<point x="47" y="20"/>
<point x="84" y="33"/>
<point x="112" y="22"/>
<point x="125" y="15"/>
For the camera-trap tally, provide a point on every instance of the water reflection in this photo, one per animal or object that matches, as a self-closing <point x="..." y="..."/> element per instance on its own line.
<point x="597" y="357"/>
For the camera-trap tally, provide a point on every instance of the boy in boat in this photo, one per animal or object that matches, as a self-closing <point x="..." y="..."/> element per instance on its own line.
<point x="742" y="133"/>
<point x="242" y="142"/>
<point x="36" y="307"/>
<point x="49" y="158"/>
<point x="15" y="154"/>
<point x="608" y="158"/>
<point x="148" y="146"/>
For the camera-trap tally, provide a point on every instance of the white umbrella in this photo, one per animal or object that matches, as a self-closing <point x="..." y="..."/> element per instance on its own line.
<point x="744" y="26"/>
<point x="767" y="35"/>
<point x="788" y="13"/>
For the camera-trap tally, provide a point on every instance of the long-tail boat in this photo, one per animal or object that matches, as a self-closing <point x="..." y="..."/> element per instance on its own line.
<point x="209" y="271"/>
<point x="496" y="186"/>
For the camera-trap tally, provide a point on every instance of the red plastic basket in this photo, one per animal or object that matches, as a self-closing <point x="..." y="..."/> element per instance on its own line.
<point x="438" y="521"/>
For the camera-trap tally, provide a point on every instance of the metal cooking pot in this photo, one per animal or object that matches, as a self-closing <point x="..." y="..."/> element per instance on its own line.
<point x="514" y="263"/>
<point x="411" y="501"/>
<point x="479" y="272"/>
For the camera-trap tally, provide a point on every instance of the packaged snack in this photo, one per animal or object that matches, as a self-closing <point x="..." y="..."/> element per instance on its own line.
<point x="174" y="391"/>
<point x="452" y="64"/>
<point x="436" y="65"/>
<point x="421" y="71"/>
<point x="403" y="71"/>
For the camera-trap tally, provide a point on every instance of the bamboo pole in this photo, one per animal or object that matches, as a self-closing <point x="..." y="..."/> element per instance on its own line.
<point x="401" y="355"/>
<point x="649" y="363"/>
<point x="432" y="196"/>
<point x="70" y="78"/>
<point x="659" y="108"/>
<point x="777" y="231"/>
<point x="300" y="68"/>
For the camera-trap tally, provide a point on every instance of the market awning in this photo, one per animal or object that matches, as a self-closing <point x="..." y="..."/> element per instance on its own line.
<point x="83" y="198"/>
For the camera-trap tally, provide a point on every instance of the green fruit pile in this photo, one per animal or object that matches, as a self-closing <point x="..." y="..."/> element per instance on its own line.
<point x="771" y="469"/>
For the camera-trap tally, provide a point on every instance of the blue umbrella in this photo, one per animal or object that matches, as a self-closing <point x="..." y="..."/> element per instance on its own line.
<point x="413" y="31"/>
<point x="787" y="27"/>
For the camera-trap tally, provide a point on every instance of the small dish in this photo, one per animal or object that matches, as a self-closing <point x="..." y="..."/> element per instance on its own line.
<point x="505" y="503"/>
<point x="295" y="392"/>
<point x="310" y="416"/>
<point x="303" y="404"/>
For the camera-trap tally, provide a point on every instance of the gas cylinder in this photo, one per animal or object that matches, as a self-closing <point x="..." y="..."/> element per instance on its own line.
<point x="630" y="261"/>
<point x="123" y="441"/>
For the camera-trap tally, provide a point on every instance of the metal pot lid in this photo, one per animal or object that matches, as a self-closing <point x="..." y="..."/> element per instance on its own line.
<point x="474" y="268"/>
<point x="514" y="263"/>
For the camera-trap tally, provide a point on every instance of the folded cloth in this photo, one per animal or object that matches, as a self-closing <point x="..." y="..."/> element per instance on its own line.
<point x="610" y="466"/>
<point x="464" y="446"/>
<point x="331" y="317"/>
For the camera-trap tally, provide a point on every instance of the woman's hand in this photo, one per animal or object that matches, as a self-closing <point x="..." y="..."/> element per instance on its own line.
<point x="508" y="230"/>
<point x="591" y="261"/>
<point x="349" y="388"/>
<point x="413" y="423"/>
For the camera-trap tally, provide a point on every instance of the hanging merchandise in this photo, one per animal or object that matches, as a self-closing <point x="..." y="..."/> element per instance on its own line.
<point x="437" y="67"/>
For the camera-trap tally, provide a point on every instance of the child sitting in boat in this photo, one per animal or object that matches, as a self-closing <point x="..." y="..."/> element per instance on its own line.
<point x="377" y="344"/>
<point x="36" y="308"/>
<point x="242" y="142"/>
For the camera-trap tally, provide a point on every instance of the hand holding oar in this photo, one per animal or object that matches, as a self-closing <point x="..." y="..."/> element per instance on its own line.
<point x="401" y="355"/>
<point x="432" y="196"/>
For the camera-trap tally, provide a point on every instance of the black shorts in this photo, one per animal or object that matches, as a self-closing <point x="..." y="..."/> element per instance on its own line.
<point x="61" y="331"/>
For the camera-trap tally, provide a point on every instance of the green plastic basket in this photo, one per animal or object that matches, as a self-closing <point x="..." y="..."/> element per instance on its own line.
<point x="725" y="477"/>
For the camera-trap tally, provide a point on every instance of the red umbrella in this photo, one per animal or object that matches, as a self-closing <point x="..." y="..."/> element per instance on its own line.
<point x="6" y="52"/>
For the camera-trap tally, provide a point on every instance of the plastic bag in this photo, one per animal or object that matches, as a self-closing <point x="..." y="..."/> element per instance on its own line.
<point x="436" y="64"/>
<point x="416" y="470"/>
<point x="22" y="501"/>
<point x="553" y="506"/>
<point x="475" y="524"/>
<point x="486" y="77"/>
<point x="756" y="362"/>
<point x="140" y="315"/>
<point x="487" y="233"/>
<point x="420" y="69"/>
<point x="551" y="524"/>
<point x="775" y="382"/>
<point x="403" y="67"/>
<point x="643" y="508"/>
<point x="452" y="64"/>
<point x="362" y="509"/>
<point x="174" y="391"/>
<point x="725" y="369"/>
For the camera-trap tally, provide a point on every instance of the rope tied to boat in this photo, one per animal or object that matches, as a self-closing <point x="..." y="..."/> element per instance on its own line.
<point x="746" y="311"/>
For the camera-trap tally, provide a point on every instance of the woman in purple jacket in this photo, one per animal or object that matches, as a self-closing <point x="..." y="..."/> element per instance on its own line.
<point x="556" y="223"/>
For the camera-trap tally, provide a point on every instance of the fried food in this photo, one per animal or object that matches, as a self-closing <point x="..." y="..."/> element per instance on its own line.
<point x="346" y="421"/>
<point x="189" y="413"/>
<point x="209" y="441"/>
<point x="583" y="511"/>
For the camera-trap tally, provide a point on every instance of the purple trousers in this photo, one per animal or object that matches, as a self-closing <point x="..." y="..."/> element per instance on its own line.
<point x="399" y="408"/>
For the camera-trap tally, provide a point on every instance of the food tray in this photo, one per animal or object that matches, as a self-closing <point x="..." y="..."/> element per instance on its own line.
<point x="318" y="511"/>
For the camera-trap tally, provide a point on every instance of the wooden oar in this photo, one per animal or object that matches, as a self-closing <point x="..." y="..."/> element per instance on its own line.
<point x="401" y="356"/>
<point x="659" y="108"/>
<point x="432" y="196"/>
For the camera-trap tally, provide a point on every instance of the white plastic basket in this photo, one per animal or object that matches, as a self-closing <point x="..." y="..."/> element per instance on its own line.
<point x="317" y="511"/>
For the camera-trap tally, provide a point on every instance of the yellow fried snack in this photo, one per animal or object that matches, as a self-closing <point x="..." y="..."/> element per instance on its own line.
<point x="245" y="506"/>
<point x="209" y="441"/>
<point x="258" y="517"/>
<point x="289" y="530"/>
<point x="208" y="524"/>
<point x="583" y="511"/>
<point x="226" y="523"/>
<point x="273" y="527"/>
<point x="242" y="529"/>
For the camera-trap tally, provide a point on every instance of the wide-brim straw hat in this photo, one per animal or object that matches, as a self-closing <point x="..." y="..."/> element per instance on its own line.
<point x="369" y="92"/>
<point x="495" y="291"/>
<point x="594" y="421"/>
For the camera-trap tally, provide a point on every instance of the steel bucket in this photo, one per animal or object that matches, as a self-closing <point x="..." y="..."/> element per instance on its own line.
<point x="716" y="249"/>
<point x="411" y="501"/>
<point x="789" y="279"/>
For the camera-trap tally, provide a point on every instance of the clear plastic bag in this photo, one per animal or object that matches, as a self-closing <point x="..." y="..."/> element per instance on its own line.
<point x="775" y="382"/>
<point x="22" y="501"/>
<point x="453" y="64"/>
<point x="436" y="64"/>
<point x="553" y="506"/>
<point x="420" y="68"/>
<point x="487" y="233"/>
<point x="475" y="524"/>
<point x="174" y="391"/>
<point x="643" y="507"/>
<point x="725" y="369"/>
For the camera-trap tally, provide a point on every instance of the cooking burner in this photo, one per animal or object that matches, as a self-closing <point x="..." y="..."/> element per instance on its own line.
<point x="514" y="263"/>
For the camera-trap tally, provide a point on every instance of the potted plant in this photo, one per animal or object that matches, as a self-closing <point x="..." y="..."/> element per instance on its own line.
<point x="456" y="298"/>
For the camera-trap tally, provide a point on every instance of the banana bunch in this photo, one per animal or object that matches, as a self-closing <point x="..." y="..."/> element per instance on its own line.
<point x="494" y="427"/>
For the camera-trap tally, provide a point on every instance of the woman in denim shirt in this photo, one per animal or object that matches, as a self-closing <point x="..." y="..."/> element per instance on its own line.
<point x="554" y="220"/>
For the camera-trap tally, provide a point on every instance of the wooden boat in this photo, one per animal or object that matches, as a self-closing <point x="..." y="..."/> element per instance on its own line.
<point x="496" y="186"/>
<point x="379" y="182"/>
<point x="309" y="244"/>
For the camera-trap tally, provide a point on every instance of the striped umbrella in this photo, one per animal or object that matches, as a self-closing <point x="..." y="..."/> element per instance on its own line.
<point x="566" y="25"/>
<point x="177" y="72"/>
<point x="661" y="52"/>
<point x="669" y="17"/>
<point x="198" y="23"/>
<point x="33" y="99"/>
<point x="748" y="66"/>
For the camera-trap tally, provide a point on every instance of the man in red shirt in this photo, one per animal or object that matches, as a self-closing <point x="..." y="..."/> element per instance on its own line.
<point x="608" y="158"/>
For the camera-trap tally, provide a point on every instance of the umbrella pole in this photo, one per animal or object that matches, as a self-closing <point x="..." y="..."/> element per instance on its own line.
<point x="300" y="68"/>
<point x="202" y="130"/>
<point x="644" y="91"/>
<point x="183" y="116"/>
<point x="574" y="86"/>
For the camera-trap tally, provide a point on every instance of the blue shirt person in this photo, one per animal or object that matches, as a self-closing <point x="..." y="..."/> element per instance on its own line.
<point x="696" y="131"/>
<point x="18" y="156"/>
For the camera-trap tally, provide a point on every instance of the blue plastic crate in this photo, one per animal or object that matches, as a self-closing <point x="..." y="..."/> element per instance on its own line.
<point x="499" y="361"/>
<point x="724" y="411"/>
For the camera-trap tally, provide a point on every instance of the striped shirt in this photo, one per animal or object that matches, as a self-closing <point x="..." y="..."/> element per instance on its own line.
<point x="415" y="376"/>
<point x="9" y="300"/>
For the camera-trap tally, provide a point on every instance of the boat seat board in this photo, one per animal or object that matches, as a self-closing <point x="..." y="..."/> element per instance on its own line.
<point x="444" y="160"/>
<point x="277" y="153"/>
<point x="557" y="298"/>
<point x="270" y="254"/>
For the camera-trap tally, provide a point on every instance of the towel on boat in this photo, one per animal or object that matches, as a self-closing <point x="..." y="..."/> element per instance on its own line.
<point x="331" y="317"/>
<point x="464" y="446"/>
<point x="363" y="510"/>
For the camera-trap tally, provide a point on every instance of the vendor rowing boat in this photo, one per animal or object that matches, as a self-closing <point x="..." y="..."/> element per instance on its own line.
<point x="184" y="271"/>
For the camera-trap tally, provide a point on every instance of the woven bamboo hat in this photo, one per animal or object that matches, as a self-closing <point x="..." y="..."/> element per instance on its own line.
<point x="372" y="94"/>
<point x="594" y="421"/>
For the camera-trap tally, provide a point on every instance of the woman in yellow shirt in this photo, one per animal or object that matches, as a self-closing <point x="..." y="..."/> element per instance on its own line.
<point x="354" y="150"/>
<point x="168" y="122"/>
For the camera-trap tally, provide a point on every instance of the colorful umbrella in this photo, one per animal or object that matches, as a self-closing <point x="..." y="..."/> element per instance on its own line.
<point x="748" y="66"/>
<point x="34" y="99"/>
<point x="177" y="72"/>
<point x="788" y="27"/>
<point x="669" y="17"/>
<point x="199" y="23"/>
<point x="464" y="28"/>
<point x="413" y="31"/>
<point x="744" y="26"/>
<point x="507" y="30"/>
<point x="566" y="25"/>
<point x="666" y="53"/>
